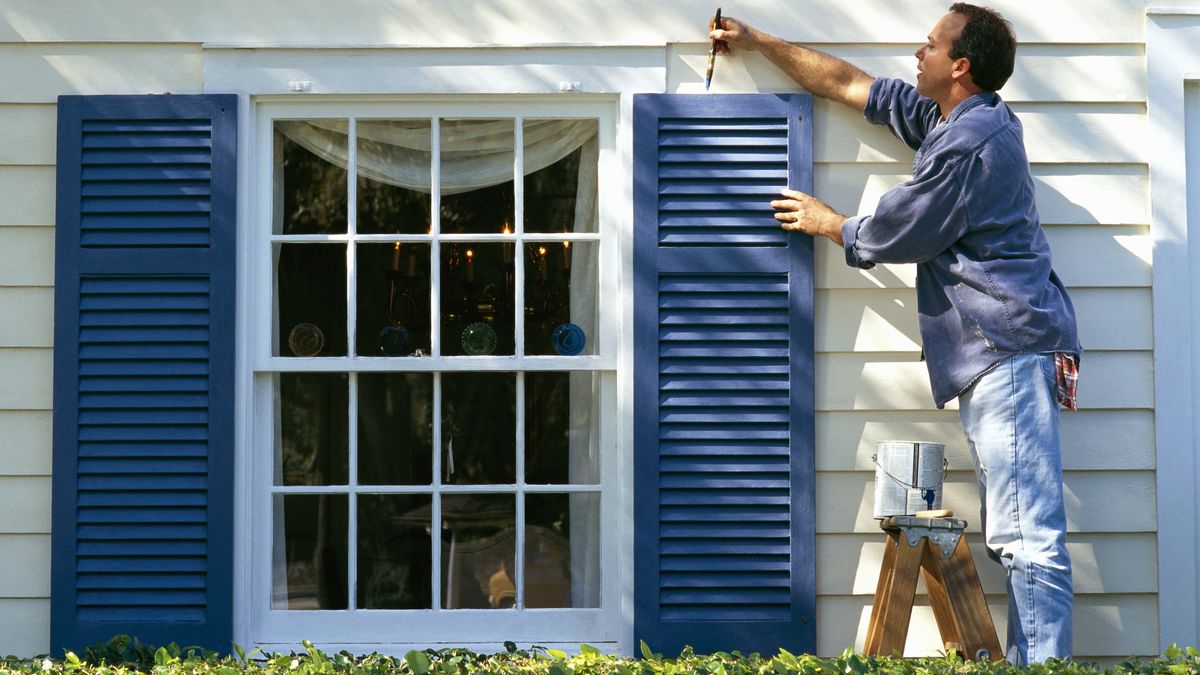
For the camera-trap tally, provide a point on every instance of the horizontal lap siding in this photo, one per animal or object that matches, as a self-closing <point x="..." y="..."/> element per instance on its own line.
<point x="1085" y="131"/>
<point x="1079" y="89"/>
<point x="536" y="22"/>
<point x="35" y="76"/>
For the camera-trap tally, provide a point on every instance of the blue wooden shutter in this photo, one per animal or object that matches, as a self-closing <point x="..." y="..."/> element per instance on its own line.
<point x="143" y="370"/>
<point x="723" y="392"/>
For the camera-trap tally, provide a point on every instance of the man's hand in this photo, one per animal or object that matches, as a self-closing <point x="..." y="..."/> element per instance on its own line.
<point x="798" y="211"/>
<point x="733" y="33"/>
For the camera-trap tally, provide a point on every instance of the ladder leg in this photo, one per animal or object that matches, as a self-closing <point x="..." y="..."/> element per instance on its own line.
<point x="943" y="612"/>
<point x="893" y="612"/>
<point x="883" y="588"/>
<point x="969" y="606"/>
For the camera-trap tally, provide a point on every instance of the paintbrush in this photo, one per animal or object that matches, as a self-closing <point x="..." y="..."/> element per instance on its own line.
<point x="712" y="54"/>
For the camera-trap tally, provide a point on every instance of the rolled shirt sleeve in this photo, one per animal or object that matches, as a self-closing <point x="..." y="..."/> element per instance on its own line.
<point x="914" y="221"/>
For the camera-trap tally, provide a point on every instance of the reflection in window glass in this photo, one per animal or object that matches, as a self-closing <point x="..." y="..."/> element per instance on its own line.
<point x="560" y="297"/>
<point x="395" y="428"/>
<point x="313" y="427"/>
<point x="461" y="256"/>
<point x="479" y="428"/>
<point x="477" y="175"/>
<point x="560" y="175"/>
<point x="562" y="550"/>
<point x="477" y="299"/>
<point x="393" y="300"/>
<point x="309" y="570"/>
<point x="394" y="175"/>
<point x="395" y="552"/>
<point x="310" y="176"/>
<point x="478" y="548"/>
<point x="562" y="443"/>
<point x="311" y="293"/>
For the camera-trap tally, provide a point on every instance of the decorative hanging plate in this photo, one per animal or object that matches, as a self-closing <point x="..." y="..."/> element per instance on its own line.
<point x="568" y="339"/>
<point x="306" y="339"/>
<point x="395" y="340"/>
<point x="478" y="339"/>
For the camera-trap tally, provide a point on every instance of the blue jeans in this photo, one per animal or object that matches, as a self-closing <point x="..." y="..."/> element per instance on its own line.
<point x="1010" y="417"/>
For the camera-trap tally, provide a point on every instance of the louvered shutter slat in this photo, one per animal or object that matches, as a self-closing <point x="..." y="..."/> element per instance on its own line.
<point x="723" y="391"/>
<point x="142" y="533"/>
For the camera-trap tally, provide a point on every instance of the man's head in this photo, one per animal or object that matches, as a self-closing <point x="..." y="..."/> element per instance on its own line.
<point x="987" y="41"/>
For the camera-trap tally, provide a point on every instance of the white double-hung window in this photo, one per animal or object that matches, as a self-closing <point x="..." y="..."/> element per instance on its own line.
<point x="432" y="366"/>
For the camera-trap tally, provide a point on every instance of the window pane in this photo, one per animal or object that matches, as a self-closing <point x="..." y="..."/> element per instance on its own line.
<point x="395" y="552"/>
<point x="394" y="174"/>
<point x="561" y="278"/>
<point x="311" y="299"/>
<point x="477" y="299"/>
<point x="477" y="175"/>
<point x="562" y="443"/>
<point x="313" y="426"/>
<point x="310" y="176"/>
<point x="395" y="428"/>
<point x="479" y="428"/>
<point x="560" y="175"/>
<point x="309" y="570"/>
<point x="562" y="550"/>
<point x="478" y="547"/>
<point x="393" y="300"/>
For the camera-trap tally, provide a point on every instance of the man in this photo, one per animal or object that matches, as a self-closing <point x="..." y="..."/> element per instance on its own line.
<point x="998" y="328"/>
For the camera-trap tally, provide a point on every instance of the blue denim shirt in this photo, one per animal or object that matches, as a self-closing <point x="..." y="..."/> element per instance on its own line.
<point x="985" y="288"/>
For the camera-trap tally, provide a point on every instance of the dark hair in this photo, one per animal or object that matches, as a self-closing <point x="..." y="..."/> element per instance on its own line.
<point x="988" y="42"/>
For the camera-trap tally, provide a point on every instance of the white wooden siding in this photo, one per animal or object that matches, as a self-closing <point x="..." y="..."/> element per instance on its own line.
<point x="519" y="22"/>
<point x="1109" y="625"/>
<point x="1091" y="73"/>
<point x="39" y="73"/>
<point x="1085" y="133"/>
<point x="26" y="256"/>
<point x="36" y="75"/>
<point x="25" y="444"/>
<point x="25" y="625"/>
<point x="1080" y="90"/>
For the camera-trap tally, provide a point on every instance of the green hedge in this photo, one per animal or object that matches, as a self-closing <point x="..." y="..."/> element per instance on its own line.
<point x="126" y="656"/>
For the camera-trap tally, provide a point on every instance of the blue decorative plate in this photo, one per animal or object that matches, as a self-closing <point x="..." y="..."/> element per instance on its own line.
<point x="395" y="340"/>
<point x="568" y="339"/>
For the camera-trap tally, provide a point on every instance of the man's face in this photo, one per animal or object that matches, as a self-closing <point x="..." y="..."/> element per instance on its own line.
<point x="934" y="65"/>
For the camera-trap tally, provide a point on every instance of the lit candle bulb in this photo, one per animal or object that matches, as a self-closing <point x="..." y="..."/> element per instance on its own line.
<point x="396" y="257"/>
<point x="542" y="262"/>
<point x="470" y="265"/>
<point x="507" y="248"/>
<point x="566" y="255"/>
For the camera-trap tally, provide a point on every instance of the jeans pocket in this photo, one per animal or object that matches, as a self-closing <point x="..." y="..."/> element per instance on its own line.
<point x="1049" y="368"/>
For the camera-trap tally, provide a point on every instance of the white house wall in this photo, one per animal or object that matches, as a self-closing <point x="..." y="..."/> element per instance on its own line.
<point x="1080" y="90"/>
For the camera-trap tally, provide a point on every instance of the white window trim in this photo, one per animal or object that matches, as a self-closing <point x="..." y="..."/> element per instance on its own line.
<point x="1173" y="95"/>
<point x="609" y="627"/>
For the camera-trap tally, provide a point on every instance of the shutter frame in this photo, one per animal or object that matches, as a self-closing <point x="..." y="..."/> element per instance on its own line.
<point x="668" y="248"/>
<point x="148" y="272"/>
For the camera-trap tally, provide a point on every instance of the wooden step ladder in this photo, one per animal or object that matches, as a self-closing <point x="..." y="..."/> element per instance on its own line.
<point x="937" y="546"/>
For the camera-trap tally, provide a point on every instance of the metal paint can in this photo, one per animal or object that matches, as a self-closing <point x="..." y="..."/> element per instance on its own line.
<point x="908" y="477"/>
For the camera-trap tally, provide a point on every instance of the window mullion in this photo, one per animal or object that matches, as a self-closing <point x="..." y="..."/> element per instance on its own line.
<point x="519" y="554"/>
<point x="352" y="229"/>
<point x="519" y="232"/>
<point x="435" y="229"/>
<point x="352" y="500"/>
<point x="436" y="499"/>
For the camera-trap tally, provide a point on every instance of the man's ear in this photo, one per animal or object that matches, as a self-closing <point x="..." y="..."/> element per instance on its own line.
<point x="962" y="68"/>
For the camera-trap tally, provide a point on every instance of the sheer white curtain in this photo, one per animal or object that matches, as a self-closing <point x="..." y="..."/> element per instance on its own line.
<point x="480" y="153"/>
<point x="474" y="153"/>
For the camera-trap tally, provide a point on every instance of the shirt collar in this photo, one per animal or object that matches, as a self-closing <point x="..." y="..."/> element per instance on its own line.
<point x="982" y="98"/>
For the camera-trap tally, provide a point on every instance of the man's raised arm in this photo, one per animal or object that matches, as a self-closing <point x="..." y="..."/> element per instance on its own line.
<point x="824" y="75"/>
